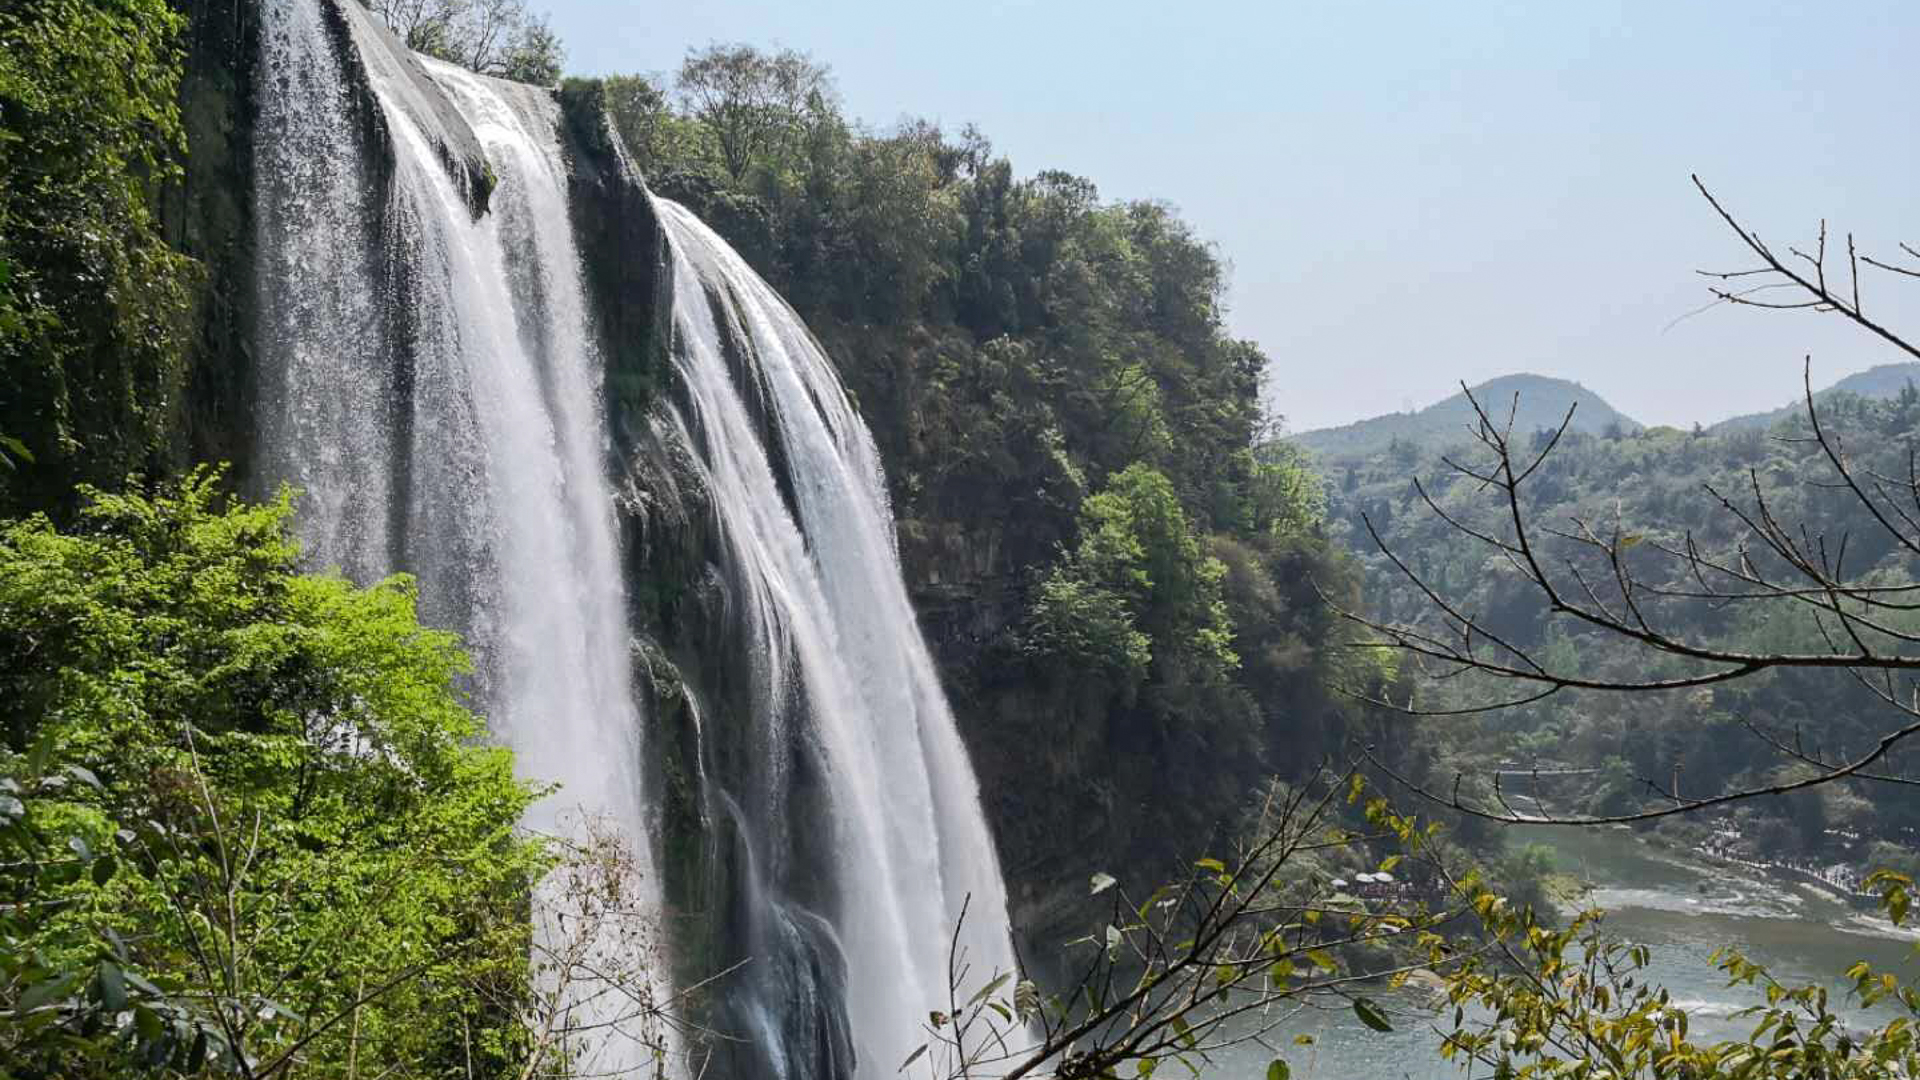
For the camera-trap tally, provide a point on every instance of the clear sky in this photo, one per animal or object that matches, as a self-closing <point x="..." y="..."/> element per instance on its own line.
<point x="1415" y="193"/>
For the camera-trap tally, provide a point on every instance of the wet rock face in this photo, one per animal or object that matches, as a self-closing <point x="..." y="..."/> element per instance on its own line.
<point x="208" y="214"/>
<point x="373" y="52"/>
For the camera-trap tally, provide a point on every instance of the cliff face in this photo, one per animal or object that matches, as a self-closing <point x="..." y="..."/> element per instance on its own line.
<point x="209" y="215"/>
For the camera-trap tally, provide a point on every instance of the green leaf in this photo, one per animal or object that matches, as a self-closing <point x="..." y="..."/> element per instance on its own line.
<point x="148" y="1024"/>
<point x="1214" y="865"/>
<point x="1278" y="1070"/>
<point x="1101" y="883"/>
<point x="980" y="994"/>
<point x="41" y="753"/>
<point x="45" y="993"/>
<point x="913" y="1057"/>
<point x="1370" y="1015"/>
<point x="16" y="448"/>
<point x="113" y="986"/>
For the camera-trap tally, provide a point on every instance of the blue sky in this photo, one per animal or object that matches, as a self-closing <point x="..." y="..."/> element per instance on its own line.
<point x="1411" y="194"/>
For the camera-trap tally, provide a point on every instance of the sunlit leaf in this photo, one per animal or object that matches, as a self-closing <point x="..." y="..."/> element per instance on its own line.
<point x="1370" y="1015"/>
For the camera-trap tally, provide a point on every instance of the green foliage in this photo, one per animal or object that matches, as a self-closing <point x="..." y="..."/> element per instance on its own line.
<point x="311" y="847"/>
<point x="1077" y="620"/>
<point x="757" y="105"/>
<point x="1531" y="1000"/>
<point x="1285" y="495"/>
<point x="93" y="304"/>
<point x="1135" y="541"/>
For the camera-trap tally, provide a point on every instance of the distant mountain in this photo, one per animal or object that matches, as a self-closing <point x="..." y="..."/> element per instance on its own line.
<point x="1543" y="403"/>
<point x="1879" y="383"/>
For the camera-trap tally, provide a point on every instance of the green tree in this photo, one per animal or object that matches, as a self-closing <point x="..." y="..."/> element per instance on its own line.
<point x="1137" y="557"/>
<point x="501" y="38"/>
<point x="756" y="104"/>
<point x="311" y="844"/>
<point x="1285" y="496"/>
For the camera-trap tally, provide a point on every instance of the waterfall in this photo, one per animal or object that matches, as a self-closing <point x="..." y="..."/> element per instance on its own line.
<point x="482" y="390"/>
<point x="844" y="675"/>
<point x="432" y="381"/>
<point x="324" y="411"/>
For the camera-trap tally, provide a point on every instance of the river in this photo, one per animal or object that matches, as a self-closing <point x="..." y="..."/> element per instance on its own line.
<point x="1684" y="912"/>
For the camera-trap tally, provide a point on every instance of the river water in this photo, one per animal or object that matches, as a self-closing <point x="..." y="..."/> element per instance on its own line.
<point x="1684" y="912"/>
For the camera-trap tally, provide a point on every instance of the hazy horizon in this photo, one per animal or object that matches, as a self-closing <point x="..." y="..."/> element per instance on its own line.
<point x="1412" y="196"/>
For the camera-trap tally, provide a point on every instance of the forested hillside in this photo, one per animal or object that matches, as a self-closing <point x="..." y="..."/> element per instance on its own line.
<point x="1119" y="584"/>
<point x="450" y="627"/>
<point x="1660" y="489"/>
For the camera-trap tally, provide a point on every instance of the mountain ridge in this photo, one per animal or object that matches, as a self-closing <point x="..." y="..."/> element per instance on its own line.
<point x="1535" y="402"/>
<point x="1880" y="382"/>
<point x="1543" y="402"/>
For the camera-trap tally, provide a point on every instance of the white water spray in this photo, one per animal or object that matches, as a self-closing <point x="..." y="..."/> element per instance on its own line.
<point x="325" y="410"/>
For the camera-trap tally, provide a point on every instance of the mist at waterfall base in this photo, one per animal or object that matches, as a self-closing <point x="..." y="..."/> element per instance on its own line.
<point x="432" y="382"/>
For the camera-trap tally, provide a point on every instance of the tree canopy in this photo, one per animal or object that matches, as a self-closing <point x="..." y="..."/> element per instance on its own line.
<point x="502" y="38"/>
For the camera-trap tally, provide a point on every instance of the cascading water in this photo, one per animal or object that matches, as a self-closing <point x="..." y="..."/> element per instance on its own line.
<point x="842" y="661"/>
<point x="431" y="379"/>
<point x="494" y="409"/>
<point x="325" y="411"/>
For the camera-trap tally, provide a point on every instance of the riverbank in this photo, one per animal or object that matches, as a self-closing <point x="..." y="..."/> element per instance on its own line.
<point x="1831" y="884"/>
